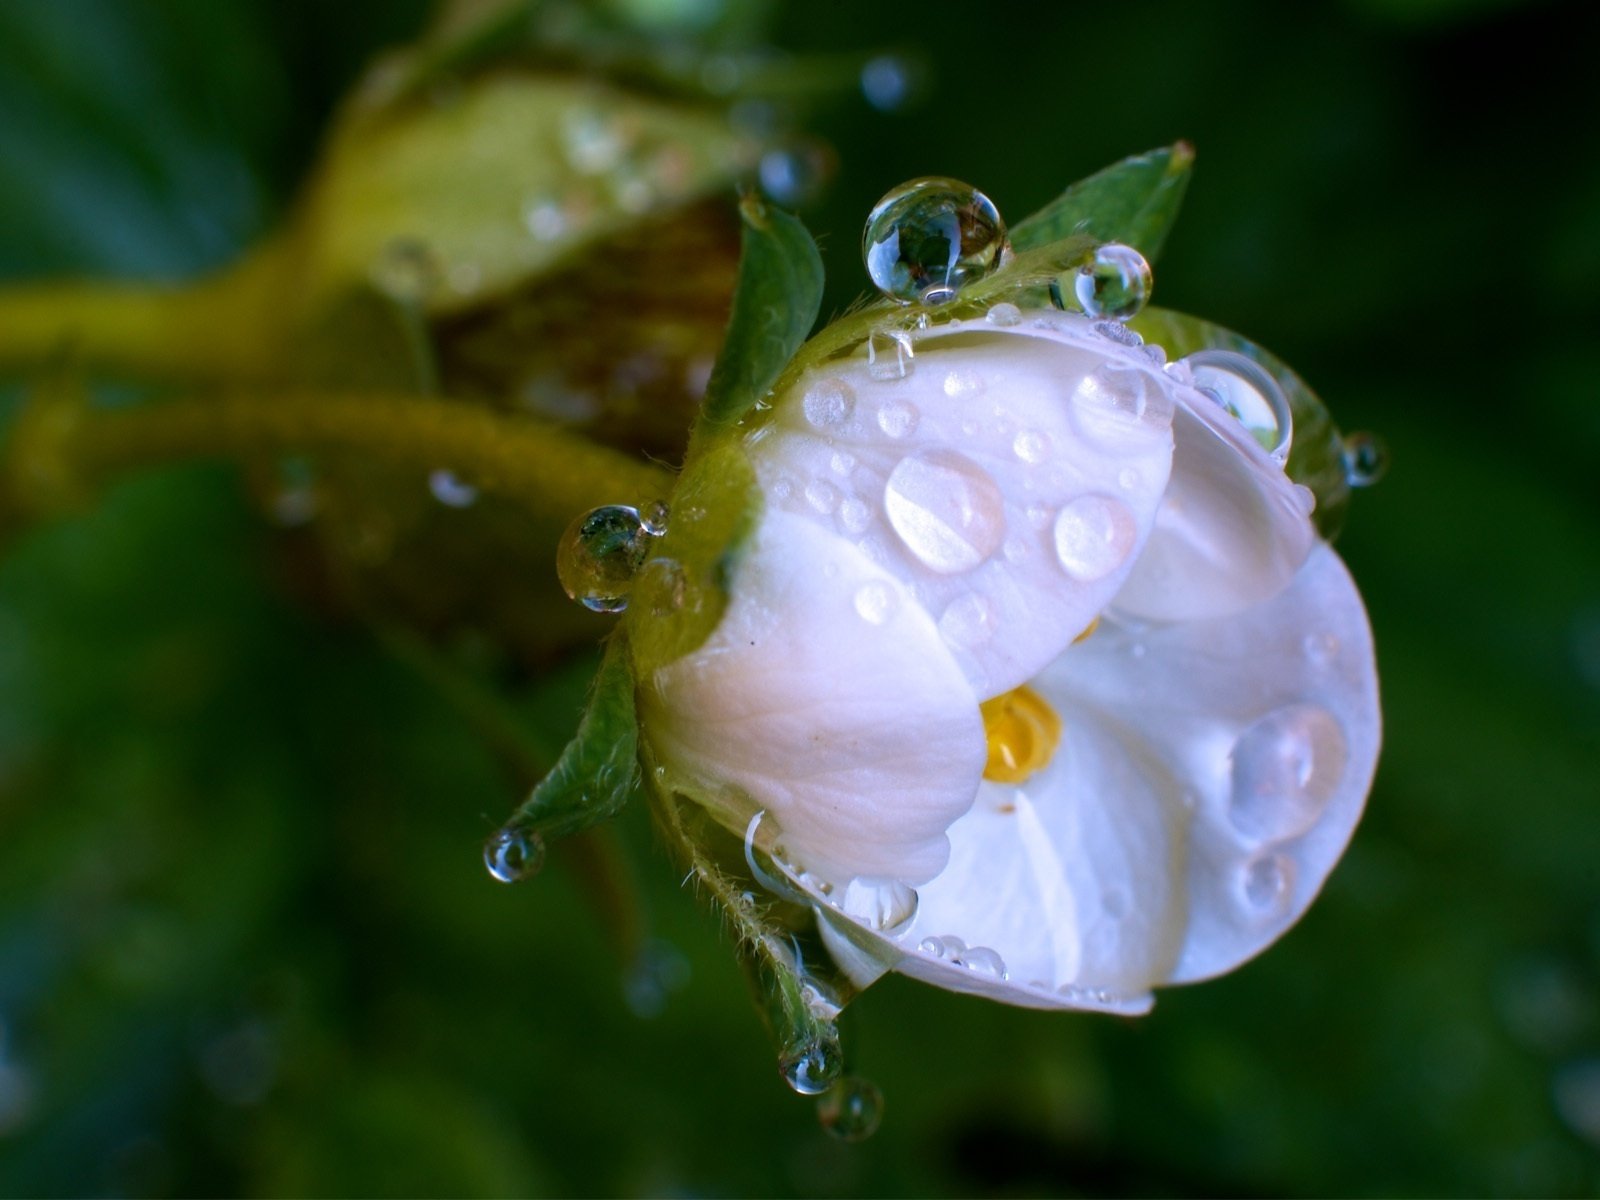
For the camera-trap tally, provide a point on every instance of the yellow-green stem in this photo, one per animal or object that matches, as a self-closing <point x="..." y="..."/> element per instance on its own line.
<point x="53" y="455"/>
<point x="223" y="326"/>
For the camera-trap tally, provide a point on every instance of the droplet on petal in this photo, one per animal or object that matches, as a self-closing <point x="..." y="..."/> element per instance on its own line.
<point x="1246" y="390"/>
<point x="898" y="419"/>
<point x="1286" y="767"/>
<point x="927" y="238"/>
<point x="1266" y="885"/>
<point x="828" y="403"/>
<point x="1094" y="536"/>
<point x="886" y="906"/>
<point x="946" y="508"/>
<point x="599" y="556"/>
<point x="1114" y="284"/>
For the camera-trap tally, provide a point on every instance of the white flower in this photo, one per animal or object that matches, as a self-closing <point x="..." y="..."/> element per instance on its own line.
<point x="1035" y="667"/>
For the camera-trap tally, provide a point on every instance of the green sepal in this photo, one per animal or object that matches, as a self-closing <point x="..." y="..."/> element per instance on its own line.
<point x="1316" y="455"/>
<point x="1134" y="201"/>
<point x="715" y="507"/>
<point x="599" y="769"/>
<point x="798" y="989"/>
<point x="775" y="304"/>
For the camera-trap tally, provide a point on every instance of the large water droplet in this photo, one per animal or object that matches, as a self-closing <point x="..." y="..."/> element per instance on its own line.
<point x="946" y="509"/>
<point x="885" y="905"/>
<point x="1115" y="400"/>
<point x="810" y="1069"/>
<point x="513" y="855"/>
<point x="1094" y="536"/>
<point x="599" y="556"/>
<point x="828" y="403"/>
<point x="1286" y="767"/>
<point x="1114" y="284"/>
<point x="927" y="238"/>
<point x="1004" y="315"/>
<point x="1246" y="390"/>
<point x="851" y="1109"/>
<point x="1366" y="459"/>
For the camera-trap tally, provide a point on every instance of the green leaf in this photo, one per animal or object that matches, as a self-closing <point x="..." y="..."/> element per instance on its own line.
<point x="775" y="303"/>
<point x="597" y="772"/>
<point x="1316" y="456"/>
<point x="1133" y="201"/>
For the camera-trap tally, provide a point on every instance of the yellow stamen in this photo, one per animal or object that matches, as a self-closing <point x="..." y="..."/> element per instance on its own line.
<point x="1087" y="630"/>
<point x="1023" y="732"/>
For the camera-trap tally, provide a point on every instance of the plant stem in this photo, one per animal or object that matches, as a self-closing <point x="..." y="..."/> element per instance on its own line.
<point x="221" y="326"/>
<point x="54" y="454"/>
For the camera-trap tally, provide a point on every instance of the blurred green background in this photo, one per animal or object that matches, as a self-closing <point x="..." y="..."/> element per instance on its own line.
<point x="247" y="944"/>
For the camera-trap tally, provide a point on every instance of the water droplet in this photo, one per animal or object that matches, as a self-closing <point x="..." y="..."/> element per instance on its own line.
<point x="1246" y="390"/>
<point x="810" y="1069"/>
<point x="600" y="554"/>
<point x="887" y="82"/>
<point x="1366" y="459"/>
<point x="889" y="356"/>
<point x="545" y="218"/>
<point x="875" y="602"/>
<point x="407" y="270"/>
<point x="933" y="946"/>
<point x="1128" y="479"/>
<point x="822" y="496"/>
<point x="851" y="1109"/>
<point x="968" y="621"/>
<point x="898" y="419"/>
<point x="963" y="385"/>
<point x="594" y="143"/>
<point x="1286" y="767"/>
<point x="984" y="961"/>
<point x="757" y="861"/>
<point x="854" y="515"/>
<point x="796" y="173"/>
<point x="1094" y="536"/>
<point x="1321" y="649"/>
<point x="513" y="855"/>
<point x="1030" y="446"/>
<point x="946" y="509"/>
<point x="828" y="403"/>
<point x="1114" y="284"/>
<point x="450" y="490"/>
<point x="842" y="462"/>
<point x="1266" y="883"/>
<point x="1117" y="398"/>
<point x="653" y="518"/>
<point x="885" y="905"/>
<point x="927" y="238"/>
<point x="1004" y="315"/>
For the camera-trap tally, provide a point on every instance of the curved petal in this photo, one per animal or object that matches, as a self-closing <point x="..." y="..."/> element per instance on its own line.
<point x="1209" y="776"/>
<point x="1232" y="528"/>
<point x="1010" y="476"/>
<point x="827" y="698"/>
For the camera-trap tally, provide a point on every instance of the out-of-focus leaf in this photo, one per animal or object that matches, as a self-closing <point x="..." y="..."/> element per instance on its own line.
<point x="775" y="303"/>
<point x="1134" y="201"/>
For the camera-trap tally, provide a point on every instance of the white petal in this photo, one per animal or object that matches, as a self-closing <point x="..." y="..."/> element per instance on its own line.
<point x="1231" y="530"/>
<point x="1210" y="775"/>
<point x="827" y="698"/>
<point x="1010" y="477"/>
<point x="1270" y="720"/>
